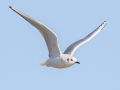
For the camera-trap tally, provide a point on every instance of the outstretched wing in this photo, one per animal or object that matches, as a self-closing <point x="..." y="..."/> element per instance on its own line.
<point x="49" y="36"/>
<point x="70" y="50"/>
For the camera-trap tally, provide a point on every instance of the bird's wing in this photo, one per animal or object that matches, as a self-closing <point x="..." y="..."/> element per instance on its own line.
<point x="70" y="50"/>
<point x="49" y="36"/>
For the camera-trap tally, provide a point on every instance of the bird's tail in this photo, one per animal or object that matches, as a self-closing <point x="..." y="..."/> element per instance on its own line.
<point x="43" y="63"/>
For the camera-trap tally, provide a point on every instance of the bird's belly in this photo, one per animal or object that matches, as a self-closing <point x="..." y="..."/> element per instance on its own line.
<point x="58" y="64"/>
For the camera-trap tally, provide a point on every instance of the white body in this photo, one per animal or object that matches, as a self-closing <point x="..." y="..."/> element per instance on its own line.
<point x="56" y="58"/>
<point x="61" y="62"/>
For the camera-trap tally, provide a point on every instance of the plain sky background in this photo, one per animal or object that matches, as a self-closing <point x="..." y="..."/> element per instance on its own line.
<point x="22" y="47"/>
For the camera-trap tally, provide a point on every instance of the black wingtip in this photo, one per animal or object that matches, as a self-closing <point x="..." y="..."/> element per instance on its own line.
<point x="103" y="23"/>
<point x="10" y="7"/>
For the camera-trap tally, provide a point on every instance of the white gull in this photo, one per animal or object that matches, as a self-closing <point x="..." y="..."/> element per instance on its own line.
<point x="57" y="59"/>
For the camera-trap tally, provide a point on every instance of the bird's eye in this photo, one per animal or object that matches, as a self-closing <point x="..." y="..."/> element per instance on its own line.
<point x="71" y="59"/>
<point x="67" y="59"/>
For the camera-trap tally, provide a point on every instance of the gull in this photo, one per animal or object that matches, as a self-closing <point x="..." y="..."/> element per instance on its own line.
<point x="57" y="59"/>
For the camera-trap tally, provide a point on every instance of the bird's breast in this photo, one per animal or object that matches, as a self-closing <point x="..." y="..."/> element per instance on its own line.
<point x="58" y="63"/>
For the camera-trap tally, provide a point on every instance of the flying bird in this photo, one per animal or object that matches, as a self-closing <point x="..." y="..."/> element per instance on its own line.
<point x="57" y="59"/>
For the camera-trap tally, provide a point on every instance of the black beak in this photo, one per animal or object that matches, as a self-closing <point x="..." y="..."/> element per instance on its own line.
<point x="77" y="62"/>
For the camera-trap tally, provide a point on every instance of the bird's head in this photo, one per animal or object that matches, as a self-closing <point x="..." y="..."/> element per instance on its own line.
<point x="70" y="60"/>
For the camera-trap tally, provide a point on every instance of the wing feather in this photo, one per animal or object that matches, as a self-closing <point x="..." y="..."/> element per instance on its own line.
<point x="49" y="36"/>
<point x="70" y="50"/>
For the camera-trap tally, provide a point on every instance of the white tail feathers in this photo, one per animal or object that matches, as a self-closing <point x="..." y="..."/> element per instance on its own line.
<point x="43" y="63"/>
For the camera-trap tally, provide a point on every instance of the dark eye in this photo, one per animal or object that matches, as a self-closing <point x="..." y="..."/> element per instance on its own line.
<point x="71" y="59"/>
<point x="67" y="59"/>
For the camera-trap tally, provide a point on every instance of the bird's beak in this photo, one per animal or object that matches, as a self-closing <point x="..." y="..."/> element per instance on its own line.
<point x="77" y="62"/>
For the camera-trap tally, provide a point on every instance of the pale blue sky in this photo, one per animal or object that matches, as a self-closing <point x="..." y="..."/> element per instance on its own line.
<point x="22" y="47"/>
